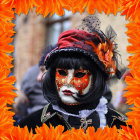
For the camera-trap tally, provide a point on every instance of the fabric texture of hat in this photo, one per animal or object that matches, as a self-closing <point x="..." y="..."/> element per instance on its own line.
<point x="92" y="43"/>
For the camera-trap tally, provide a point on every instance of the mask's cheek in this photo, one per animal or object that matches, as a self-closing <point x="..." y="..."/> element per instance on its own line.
<point x="81" y="84"/>
<point x="60" y="80"/>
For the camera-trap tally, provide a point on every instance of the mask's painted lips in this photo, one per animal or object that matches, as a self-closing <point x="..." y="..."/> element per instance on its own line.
<point x="68" y="92"/>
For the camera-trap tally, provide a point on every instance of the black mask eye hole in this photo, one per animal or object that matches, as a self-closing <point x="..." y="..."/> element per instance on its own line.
<point x="62" y="72"/>
<point x="80" y="74"/>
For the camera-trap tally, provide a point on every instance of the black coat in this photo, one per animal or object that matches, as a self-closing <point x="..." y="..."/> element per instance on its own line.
<point x="50" y="116"/>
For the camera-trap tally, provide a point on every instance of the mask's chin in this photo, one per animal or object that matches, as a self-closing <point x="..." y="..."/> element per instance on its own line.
<point x="71" y="104"/>
<point x="68" y="103"/>
<point x="67" y="95"/>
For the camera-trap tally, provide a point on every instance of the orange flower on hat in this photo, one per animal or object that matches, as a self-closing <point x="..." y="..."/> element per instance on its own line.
<point x="105" y="54"/>
<point x="104" y="51"/>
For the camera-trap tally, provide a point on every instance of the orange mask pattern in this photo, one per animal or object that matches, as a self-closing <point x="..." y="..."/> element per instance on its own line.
<point x="79" y="79"/>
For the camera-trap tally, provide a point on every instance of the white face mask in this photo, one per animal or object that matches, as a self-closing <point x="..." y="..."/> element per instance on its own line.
<point x="71" y="82"/>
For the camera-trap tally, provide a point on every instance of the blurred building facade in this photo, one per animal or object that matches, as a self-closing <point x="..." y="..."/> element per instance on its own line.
<point x="33" y="34"/>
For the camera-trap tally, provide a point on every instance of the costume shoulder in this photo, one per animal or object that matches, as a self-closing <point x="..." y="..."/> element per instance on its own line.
<point x="32" y="120"/>
<point x="35" y="119"/>
<point x="115" y="118"/>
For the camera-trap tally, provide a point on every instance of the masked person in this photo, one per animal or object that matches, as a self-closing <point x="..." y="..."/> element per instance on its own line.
<point x="75" y="82"/>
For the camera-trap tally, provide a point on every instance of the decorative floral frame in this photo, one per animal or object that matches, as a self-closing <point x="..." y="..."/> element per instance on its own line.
<point x="129" y="8"/>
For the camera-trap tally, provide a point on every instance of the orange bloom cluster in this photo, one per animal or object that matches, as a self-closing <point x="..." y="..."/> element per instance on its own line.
<point x="134" y="113"/>
<point x="133" y="82"/>
<point x="44" y="7"/>
<point x="108" y="6"/>
<point x="21" y="6"/>
<point x="6" y="86"/>
<point x="128" y="133"/>
<point x="18" y="133"/>
<point x="6" y="32"/>
<point x="6" y="15"/>
<point x="130" y="8"/>
<point x="134" y="34"/>
<point x="51" y="7"/>
<point x="47" y="7"/>
<point x="51" y="133"/>
<point x="6" y="121"/>
<point x="56" y="133"/>
<point x="105" y="134"/>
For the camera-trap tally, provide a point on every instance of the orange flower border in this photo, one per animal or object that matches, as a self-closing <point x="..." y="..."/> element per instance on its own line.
<point x="130" y="8"/>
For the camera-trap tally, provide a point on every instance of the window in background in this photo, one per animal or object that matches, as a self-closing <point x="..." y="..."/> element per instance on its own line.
<point x="56" y="25"/>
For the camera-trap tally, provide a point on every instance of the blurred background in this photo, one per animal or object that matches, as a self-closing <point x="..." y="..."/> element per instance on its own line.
<point x="34" y="33"/>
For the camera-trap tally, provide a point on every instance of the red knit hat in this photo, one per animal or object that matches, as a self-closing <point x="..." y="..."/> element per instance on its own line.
<point x="95" y="45"/>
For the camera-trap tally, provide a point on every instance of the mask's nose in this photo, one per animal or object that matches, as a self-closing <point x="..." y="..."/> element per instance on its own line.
<point x="70" y="76"/>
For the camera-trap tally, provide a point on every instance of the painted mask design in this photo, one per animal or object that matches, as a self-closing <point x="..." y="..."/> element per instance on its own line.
<point x="71" y="82"/>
